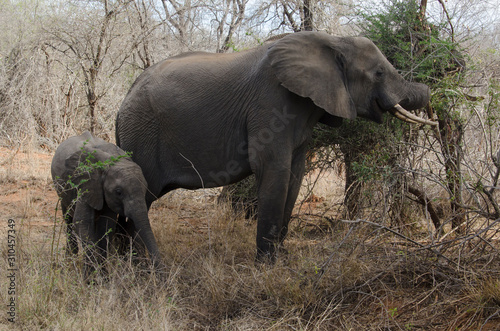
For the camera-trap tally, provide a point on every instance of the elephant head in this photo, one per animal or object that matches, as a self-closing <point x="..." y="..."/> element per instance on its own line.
<point x="108" y="180"/>
<point x="347" y="77"/>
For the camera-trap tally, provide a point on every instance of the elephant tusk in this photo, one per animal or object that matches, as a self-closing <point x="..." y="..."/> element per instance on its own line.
<point x="406" y="116"/>
<point x="401" y="116"/>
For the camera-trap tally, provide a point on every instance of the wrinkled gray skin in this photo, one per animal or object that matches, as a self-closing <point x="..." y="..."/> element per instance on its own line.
<point x="206" y="120"/>
<point x="113" y="190"/>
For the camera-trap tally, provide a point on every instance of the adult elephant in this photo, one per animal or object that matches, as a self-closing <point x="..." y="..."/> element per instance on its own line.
<point x="206" y="120"/>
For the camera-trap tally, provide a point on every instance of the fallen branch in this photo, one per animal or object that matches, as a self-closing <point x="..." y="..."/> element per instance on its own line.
<point x="416" y="243"/>
<point x="427" y="203"/>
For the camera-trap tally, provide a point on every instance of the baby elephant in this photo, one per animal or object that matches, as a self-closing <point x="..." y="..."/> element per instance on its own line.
<point x="97" y="182"/>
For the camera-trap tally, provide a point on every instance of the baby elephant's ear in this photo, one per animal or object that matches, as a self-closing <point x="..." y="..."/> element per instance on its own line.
<point x="311" y="65"/>
<point x="86" y="178"/>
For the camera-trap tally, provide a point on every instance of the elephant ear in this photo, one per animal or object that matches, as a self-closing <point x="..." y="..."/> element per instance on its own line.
<point x="87" y="179"/>
<point x="311" y="65"/>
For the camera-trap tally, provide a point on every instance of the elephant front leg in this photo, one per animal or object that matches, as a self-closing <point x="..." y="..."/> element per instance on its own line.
<point x="272" y="195"/>
<point x="294" y="184"/>
<point x="105" y="229"/>
<point x="84" y="221"/>
<point x="128" y="241"/>
<point x="125" y="233"/>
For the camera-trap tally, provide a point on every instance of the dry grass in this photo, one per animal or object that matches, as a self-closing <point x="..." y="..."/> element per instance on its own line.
<point x="335" y="276"/>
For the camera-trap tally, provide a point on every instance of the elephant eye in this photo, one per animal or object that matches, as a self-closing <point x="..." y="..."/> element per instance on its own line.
<point x="118" y="191"/>
<point x="380" y="72"/>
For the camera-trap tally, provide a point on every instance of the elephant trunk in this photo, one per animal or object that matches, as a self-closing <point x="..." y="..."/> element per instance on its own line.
<point x="417" y="96"/>
<point x="139" y="215"/>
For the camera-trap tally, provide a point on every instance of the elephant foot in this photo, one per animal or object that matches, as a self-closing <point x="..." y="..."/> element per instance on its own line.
<point x="264" y="258"/>
<point x="271" y="254"/>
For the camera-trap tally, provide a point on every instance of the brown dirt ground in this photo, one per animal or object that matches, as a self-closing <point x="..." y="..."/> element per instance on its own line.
<point x="26" y="192"/>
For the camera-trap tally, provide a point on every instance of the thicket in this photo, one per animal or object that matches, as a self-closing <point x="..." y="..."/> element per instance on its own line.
<point x="400" y="166"/>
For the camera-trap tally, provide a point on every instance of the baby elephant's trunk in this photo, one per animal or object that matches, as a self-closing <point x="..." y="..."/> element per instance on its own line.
<point x="139" y="215"/>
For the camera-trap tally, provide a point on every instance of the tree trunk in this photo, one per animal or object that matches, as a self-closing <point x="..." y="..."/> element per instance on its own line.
<point x="451" y="135"/>
<point x="352" y="186"/>
<point x="425" y="201"/>
<point x="307" y="23"/>
<point x="92" y="98"/>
